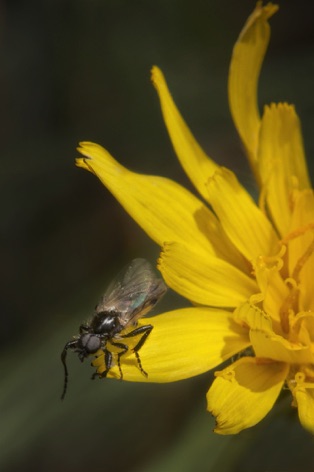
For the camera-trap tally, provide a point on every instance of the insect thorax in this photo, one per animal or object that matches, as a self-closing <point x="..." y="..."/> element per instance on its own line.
<point x="106" y="323"/>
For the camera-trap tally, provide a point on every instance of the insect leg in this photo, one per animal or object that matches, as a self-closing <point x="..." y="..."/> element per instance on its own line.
<point x="145" y="331"/>
<point x="124" y="348"/>
<point x="69" y="345"/>
<point x="108" y="364"/>
<point x="108" y="360"/>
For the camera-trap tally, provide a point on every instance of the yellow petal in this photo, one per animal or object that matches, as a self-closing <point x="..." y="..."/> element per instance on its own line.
<point x="304" y="398"/>
<point x="247" y="58"/>
<point x="281" y="161"/>
<point x="302" y="328"/>
<point x="272" y="346"/>
<point x="199" y="278"/>
<point x="267" y="344"/>
<point x="302" y="226"/>
<point x="244" y="223"/>
<point x="164" y="209"/>
<point x="305" y="401"/>
<point x="244" y="393"/>
<point x="182" y="344"/>
<point x="253" y="317"/>
<point x="273" y="288"/>
<point x="197" y="165"/>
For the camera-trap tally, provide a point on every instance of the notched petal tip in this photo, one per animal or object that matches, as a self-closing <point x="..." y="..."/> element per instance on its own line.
<point x="88" y="150"/>
<point x="81" y="162"/>
<point x="91" y="150"/>
<point x="260" y="13"/>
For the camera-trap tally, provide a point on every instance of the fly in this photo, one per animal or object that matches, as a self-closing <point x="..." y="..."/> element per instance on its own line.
<point x="131" y="295"/>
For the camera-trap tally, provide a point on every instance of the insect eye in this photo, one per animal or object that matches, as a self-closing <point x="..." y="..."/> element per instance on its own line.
<point x="90" y="343"/>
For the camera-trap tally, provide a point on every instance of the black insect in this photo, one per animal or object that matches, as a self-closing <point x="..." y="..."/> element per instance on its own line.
<point x="131" y="295"/>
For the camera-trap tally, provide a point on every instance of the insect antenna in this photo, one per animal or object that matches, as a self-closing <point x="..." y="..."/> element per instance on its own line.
<point x="69" y="345"/>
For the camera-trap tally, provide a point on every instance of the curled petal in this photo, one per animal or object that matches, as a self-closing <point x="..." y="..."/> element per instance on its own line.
<point x="246" y="62"/>
<point x="272" y="346"/>
<point x="244" y="393"/>
<point x="269" y="345"/>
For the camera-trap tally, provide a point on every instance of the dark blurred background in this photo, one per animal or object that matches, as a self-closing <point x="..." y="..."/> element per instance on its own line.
<point x="74" y="70"/>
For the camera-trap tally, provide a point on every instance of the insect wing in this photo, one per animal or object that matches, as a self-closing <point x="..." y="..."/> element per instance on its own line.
<point x="133" y="293"/>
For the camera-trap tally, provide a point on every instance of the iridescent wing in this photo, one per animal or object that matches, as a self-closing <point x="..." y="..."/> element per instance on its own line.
<point x="133" y="293"/>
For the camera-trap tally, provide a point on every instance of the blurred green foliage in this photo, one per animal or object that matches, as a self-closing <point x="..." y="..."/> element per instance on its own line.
<point x="79" y="70"/>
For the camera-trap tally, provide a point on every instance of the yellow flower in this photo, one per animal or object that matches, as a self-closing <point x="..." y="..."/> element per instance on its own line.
<point x="246" y="268"/>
